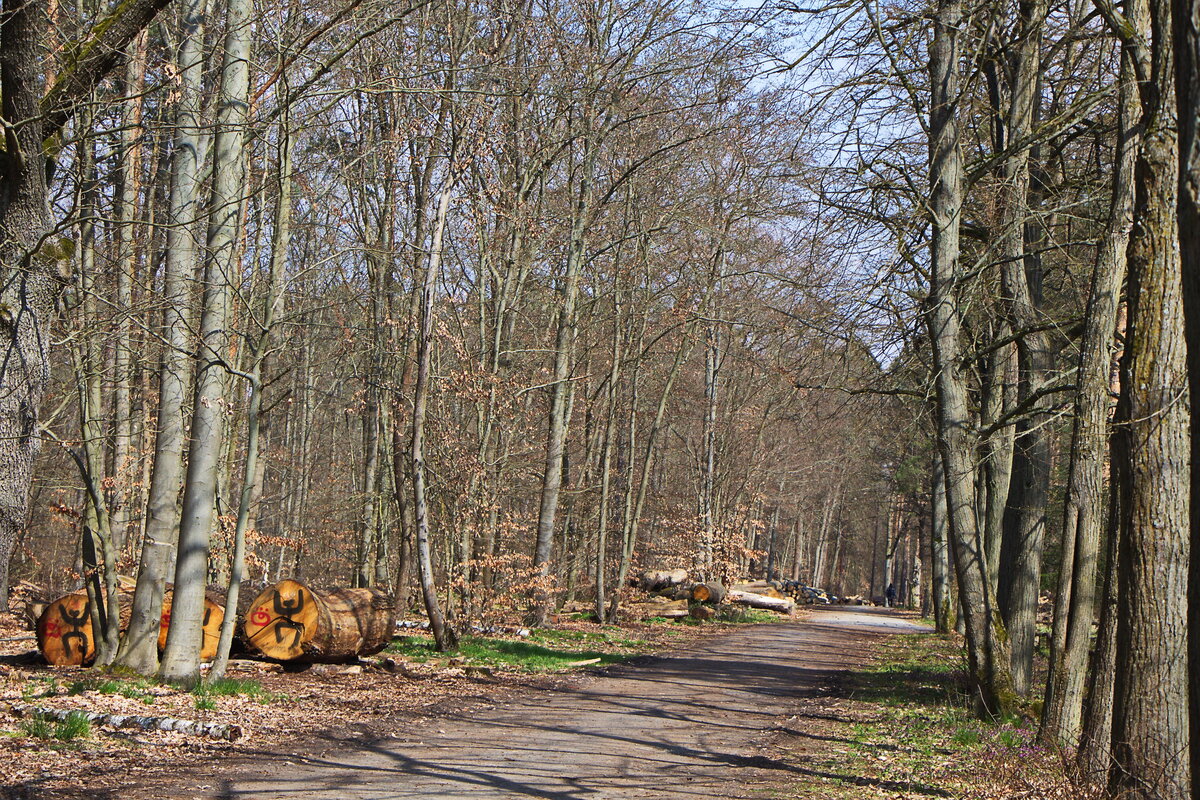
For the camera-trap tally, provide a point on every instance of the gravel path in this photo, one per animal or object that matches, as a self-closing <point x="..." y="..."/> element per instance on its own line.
<point x="686" y="725"/>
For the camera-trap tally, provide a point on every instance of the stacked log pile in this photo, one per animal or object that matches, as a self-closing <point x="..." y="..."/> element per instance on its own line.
<point x="287" y="622"/>
<point x="802" y="594"/>
<point x="674" y="596"/>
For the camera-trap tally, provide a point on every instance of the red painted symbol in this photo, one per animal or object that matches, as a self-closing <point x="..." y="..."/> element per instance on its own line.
<point x="52" y="629"/>
<point x="166" y="619"/>
<point x="260" y="617"/>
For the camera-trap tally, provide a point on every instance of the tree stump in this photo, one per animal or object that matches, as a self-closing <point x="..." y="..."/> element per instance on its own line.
<point x="290" y="621"/>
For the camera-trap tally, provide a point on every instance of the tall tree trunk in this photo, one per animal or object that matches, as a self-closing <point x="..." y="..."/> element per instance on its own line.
<point x="998" y="396"/>
<point x="943" y="610"/>
<point x="1094" y="757"/>
<point x="987" y="649"/>
<point x="610" y="427"/>
<point x="126" y="209"/>
<point x="281" y="235"/>
<point x="712" y="353"/>
<point x="27" y="277"/>
<point x="563" y="353"/>
<point x="1084" y="504"/>
<point x="139" y="648"/>
<point x="1025" y="512"/>
<point x="98" y="558"/>
<point x="1186" y="18"/>
<point x="633" y="510"/>
<point x="443" y="635"/>
<point x="1150" y="718"/>
<point x="181" y="659"/>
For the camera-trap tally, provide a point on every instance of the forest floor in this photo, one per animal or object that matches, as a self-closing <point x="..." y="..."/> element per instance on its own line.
<point x="844" y="703"/>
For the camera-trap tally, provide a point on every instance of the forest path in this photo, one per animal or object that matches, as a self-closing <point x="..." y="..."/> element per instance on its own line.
<point x="689" y="724"/>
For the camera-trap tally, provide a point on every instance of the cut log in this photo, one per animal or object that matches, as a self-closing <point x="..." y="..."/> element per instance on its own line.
<point x="64" y="629"/>
<point x="230" y="733"/>
<point x="708" y="593"/>
<point x="657" y="607"/>
<point x="754" y="587"/>
<point x="214" y="614"/>
<point x="655" y="580"/>
<point x="290" y="621"/>
<point x="703" y="612"/>
<point x="784" y="605"/>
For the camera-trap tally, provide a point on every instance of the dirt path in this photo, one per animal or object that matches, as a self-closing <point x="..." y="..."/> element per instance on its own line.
<point x="687" y="725"/>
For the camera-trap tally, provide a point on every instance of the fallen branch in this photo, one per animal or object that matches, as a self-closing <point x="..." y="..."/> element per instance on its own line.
<point x="229" y="733"/>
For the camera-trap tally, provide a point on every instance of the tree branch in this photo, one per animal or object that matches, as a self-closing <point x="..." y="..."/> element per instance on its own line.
<point x="89" y="61"/>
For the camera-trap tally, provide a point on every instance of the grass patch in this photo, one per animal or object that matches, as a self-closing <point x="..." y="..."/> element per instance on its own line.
<point x="740" y="615"/>
<point x="911" y="731"/>
<point x="75" y="726"/>
<point x="545" y="650"/>
<point x="133" y="688"/>
<point x="39" y="686"/>
<point x="231" y="687"/>
<point x="530" y="656"/>
<point x="38" y="728"/>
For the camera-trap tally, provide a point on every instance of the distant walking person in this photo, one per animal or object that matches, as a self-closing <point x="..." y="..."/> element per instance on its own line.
<point x="890" y="594"/>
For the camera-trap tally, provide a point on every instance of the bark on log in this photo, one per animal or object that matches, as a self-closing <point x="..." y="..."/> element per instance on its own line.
<point x="708" y="593"/>
<point x="658" y="607"/>
<point x="784" y="605"/>
<point x="703" y="612"/>
<point x="64" y="629"/>
<point x="229" y="733"/>
<point x="290" y="621"/>
<point x="655" y="580"/>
